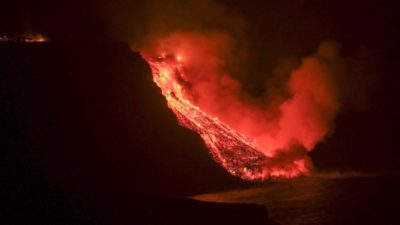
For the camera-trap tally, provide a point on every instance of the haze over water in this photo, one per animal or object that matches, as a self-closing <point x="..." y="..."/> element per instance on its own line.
<point x="322" y="200"/>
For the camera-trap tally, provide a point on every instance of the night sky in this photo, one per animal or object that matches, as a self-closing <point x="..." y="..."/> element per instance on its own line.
<point x="83" y="127"/>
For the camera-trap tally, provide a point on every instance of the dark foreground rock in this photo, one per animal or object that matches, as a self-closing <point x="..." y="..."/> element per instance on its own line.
<point x="188" y="211"/>
<point x="87" y="138"/>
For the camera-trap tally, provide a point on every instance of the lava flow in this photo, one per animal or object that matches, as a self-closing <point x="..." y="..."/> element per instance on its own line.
<point x="237" y="153"/>
<point x="231" y="149"/>
<point x="253" y="138"/>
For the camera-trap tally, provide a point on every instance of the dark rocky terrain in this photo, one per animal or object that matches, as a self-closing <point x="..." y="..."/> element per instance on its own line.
<point x="86" y="137"/>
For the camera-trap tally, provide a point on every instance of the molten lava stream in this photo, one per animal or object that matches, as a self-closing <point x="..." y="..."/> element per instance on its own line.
<point x="237" y="153"/>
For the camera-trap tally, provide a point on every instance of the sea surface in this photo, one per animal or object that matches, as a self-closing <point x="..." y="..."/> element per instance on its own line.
<point x="323" y="200"/>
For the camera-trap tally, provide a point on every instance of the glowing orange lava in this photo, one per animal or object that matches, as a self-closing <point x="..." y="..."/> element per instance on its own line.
<point x="239" y="154"/>
<point x="254" y="138"/>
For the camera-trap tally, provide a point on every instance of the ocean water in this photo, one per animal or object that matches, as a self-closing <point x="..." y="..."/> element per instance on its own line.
<point x="323" y="200"/>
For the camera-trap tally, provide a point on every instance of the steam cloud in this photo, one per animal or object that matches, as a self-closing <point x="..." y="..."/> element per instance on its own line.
<point x="300" y="102"/>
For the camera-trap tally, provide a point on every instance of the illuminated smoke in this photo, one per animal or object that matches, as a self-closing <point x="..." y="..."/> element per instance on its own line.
<point x="196" y="47"/>
<point x="191" y="71"/>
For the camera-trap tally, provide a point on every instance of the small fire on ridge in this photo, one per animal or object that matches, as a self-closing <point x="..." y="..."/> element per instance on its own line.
<point x="24" y="38"/>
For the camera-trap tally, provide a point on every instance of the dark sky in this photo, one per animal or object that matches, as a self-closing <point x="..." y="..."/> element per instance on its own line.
<point x="296" y="24"/>
<point x="271" y="30"/>
<point x="365" y="132"/>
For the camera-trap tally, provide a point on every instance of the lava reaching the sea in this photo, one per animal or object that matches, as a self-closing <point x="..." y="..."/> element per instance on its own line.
<point x="251" y="139"/>
<point x="231" y="149"/>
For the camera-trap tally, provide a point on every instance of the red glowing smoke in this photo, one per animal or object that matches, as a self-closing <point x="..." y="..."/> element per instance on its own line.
<point x="282" y="131"/>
